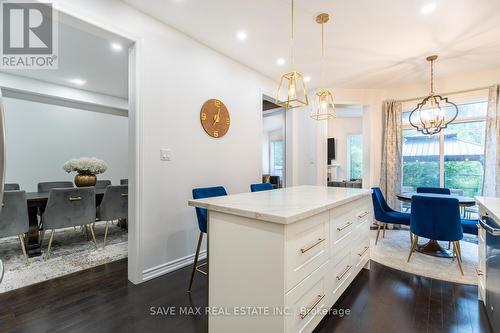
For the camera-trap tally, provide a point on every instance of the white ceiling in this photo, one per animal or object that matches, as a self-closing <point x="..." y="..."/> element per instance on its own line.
<point x="370" y="44"/>
<point x="85" y="53"/>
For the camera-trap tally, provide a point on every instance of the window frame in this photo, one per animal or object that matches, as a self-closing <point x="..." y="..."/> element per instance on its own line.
<point x="442" y="153"/>
<point x="348" y="151"/>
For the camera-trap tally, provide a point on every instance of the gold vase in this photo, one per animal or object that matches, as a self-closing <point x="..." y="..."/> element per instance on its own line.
<point x="84" y="180"/>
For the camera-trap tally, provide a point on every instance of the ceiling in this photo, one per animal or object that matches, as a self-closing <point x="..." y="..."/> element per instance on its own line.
<point x="85" y="53"/>
<point x="369" y="44"/>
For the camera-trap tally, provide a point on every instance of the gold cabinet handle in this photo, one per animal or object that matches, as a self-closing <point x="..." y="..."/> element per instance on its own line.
<point x="341" y="276"/>
<point x="308" y="309"/>
<point x="307" y="248"/>
<point x="362" y="215"/>
<point x="124" y="194"/>
<point x="363" y="252"/>
<point x="348" y="224"/>
<point x="75" y="198"/>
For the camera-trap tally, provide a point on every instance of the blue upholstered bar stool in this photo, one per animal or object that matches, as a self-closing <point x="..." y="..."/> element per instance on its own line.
<point x="437" y="219"/>
<point x="201" y="215"/>
<point x="434" y="190"/>
<point x="261" y="187"/>
<point x="385" y="214"/>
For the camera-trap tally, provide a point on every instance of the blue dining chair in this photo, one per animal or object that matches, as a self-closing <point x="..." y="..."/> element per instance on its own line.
<point x="261" y="187"/>
<point x="201" y="215"/>
<point x="470" y="226"/>
<point x="385" y="214"/>
<point x="434" y="190"/>
<point x="436" y="219"/>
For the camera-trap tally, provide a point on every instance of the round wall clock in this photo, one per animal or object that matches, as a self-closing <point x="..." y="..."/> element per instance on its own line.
<point x="215" y="118"/>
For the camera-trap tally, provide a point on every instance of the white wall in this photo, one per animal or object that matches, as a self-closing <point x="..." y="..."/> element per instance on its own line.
<point x="41" y="138"/>
<point x="340" y="128"/>
<point x="176" y="76"/>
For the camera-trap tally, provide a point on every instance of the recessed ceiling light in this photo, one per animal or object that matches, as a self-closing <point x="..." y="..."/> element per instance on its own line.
<point x="429" y="8"/>
<point x="280" y="61"/>
<point x="117" y="46"/>
<point x="241" y="35"/>
<point x="307" y="78"/>
<point x="78" y="82"/>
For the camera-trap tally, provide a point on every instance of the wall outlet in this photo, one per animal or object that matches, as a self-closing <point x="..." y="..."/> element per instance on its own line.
<point x="165" y="155"/>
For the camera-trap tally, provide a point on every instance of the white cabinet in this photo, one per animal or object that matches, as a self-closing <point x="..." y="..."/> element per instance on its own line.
<point x="294" y="272"/>
<point x="481" y="270"/>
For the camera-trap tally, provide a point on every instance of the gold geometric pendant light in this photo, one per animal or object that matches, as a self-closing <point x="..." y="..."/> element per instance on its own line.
<point x="323" y="106"/>
<point x="434" y="112"/>
<point x="292" y="92"/>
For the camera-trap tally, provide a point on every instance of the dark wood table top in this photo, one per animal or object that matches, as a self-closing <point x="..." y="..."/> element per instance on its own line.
<point x="44" y="196"/>
<point x="462" y="200"/>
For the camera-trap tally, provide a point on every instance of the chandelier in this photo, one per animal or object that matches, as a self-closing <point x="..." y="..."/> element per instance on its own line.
<point x="292" y="92"/>
<point x="434" y="112"/>
<point x="323" y="107"/>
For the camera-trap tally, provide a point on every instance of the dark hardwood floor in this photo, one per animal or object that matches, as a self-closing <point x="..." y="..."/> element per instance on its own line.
<point x="101" y="300"/>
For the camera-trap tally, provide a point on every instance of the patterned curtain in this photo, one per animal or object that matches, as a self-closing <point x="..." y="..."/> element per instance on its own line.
<point x="491" y="182"/>
<point x="390" y="173"/>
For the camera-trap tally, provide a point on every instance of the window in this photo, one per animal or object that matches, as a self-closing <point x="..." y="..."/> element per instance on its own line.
<point x="277" y="158"/>
<point x="453" y="158"/>
<point x="355" y="156"/>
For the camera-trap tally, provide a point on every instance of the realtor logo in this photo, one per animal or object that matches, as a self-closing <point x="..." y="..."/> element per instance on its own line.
<point x="28" y="35"/>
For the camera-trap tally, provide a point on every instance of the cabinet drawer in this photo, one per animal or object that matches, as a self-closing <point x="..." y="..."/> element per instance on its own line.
<point x="342" y="271"/>
<point x="307" y="248"/>
<point x="361" y="251"/>
<point x="307" y="302"/>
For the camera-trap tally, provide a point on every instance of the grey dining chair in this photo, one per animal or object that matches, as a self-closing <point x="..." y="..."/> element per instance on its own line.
<point x="102" y="184"/>
<point x="47" y="186"/>
<point x="69" y="208"/>
<point x="11" y="187"/>
<point x="14" y="217"/>
<point x="1" y="271"/>
<point x="114" y="206"/>
<point x="123" y="181"/>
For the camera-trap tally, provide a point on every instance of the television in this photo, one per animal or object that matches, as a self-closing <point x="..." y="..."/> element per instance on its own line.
<point x="331" y="150"/>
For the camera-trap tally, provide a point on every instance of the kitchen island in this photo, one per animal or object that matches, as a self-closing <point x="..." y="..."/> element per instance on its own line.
<point x="279" y="259"/>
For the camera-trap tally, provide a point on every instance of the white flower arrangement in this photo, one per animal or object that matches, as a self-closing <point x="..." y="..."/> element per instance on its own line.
<point x="85" y="165"/>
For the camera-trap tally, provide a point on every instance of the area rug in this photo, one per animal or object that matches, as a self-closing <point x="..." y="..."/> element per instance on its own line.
<point x="392" y="251"/>
<point x="71" y="252"/>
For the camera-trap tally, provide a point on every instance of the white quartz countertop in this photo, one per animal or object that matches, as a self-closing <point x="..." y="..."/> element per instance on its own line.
<point x="492" y="205"/>
<point x="285" y="206"/>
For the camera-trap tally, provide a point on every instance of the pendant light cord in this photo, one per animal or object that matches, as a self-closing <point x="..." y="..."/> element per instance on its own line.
<point x="432" y="77"/>
<point x="292" y="55"/>
<point x="322" y="53"/>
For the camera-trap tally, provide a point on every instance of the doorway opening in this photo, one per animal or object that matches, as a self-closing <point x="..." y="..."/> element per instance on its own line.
<point x="345" y="147"/>
<point x="273" y="143"/>
<point x="83" y="109"/>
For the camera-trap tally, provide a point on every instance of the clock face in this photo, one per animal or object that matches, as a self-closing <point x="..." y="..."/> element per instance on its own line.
<point x="215" y="118"/>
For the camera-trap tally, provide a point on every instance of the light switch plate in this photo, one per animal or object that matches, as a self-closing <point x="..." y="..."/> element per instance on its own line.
<point x="165" y="155"/>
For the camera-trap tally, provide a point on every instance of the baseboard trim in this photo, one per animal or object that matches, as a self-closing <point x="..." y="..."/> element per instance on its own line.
<point x="171" y="266"/>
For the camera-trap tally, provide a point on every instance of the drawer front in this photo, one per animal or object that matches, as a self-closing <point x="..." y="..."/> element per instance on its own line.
<point x="307" y="248"/>
<point x="346" y="218"/>
<point x="308" y="301"/>
<point x="361" y="252"/>
<point x="342" y="271"/>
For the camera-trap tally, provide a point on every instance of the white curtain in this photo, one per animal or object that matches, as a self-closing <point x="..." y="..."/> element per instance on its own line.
<point x="491" y="182"/>
<point x="390" y="174"/>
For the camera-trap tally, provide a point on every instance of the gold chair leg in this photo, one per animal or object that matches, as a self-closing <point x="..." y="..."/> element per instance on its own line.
<point x="105" y="235"/>
<point x="47" y="255"/>
<point x="23" y="247"/>
<point x="378" y="232"/>
<point x="411" y="238"/>
<point x="41" y="235"/>
<point x="413" y="246"/>
<point x="195" y="263"/>
<point x="383" y="232"/>
<point x="93" y="235"/>
<point x="456" y="249"/>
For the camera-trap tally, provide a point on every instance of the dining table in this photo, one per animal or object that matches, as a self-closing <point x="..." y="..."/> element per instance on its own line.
<point x="432" y="247"/>
<point x="37" y="201"/>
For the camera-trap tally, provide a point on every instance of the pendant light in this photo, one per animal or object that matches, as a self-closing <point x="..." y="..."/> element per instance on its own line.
<point x="434" y="112"/>
<point x="323" y="107"/>
<point x="292" y="92"/>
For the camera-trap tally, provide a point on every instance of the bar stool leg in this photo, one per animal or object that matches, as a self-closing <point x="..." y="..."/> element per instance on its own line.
<point x="47" y="255"/>
<point x="195" y="263"/>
